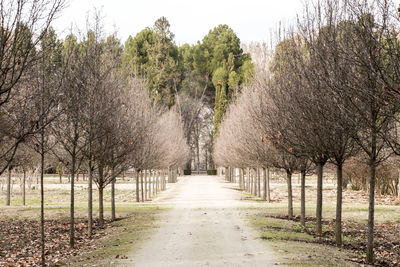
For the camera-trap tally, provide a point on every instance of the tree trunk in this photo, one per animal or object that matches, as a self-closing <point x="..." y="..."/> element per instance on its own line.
<point x="145" y="185"/>
<point x="320" y="169"/>
<point x="157" y="177"/>
<point x="290" y="197"/>
<point x="248" y="180"/>
<point x="113" y="194"/>
<point x="303" y="198"/>
<point x="137" y="186"/>
<point x="141" y="185"/>
<point x="206" y="159"/>
<point x="371" y="209"/>
<point x="264" y="184"/>
<point x="90" y="199"/>
<point x="241" y="178"/>
<point x="23" y="188"/>
<point x="398" y="183"/>
<point x="101" y="208"/>
<point x="268" y="186"/>
<point x="198" y="154"/>
<point x="60" y="176"/>
<point x="251" y="181"/>
<point x="370" y="245"/>
<point x="152" y="183"/>
<point x="8" y="200"/>
<point x="42" y="237"/>
<point x="164" y="181"/>
<point x="339" y="172"/>
<point x="162" y="177"/>
<point x="72" y="206"/>
<point x="255" y="182"/>
<point x="259" y="182"/>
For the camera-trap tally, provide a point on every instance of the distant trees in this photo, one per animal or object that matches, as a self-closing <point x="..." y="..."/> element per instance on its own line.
<point x="195" y="78"/>
<point x="153" y="54"/>
<point x="222" y="58"/>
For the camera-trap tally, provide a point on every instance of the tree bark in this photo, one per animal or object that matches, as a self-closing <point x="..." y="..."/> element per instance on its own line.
<point x="113" y="194"/>
<point x="157" y="177"/>
<point x="339" y="172"/>
<point x="290" y="197"/>
<point x="320" y="169"/>
<point x="255" y="182"/>
<point x="72" y="206"/>
<point x="153" y="184"/>
<point x="259" y="182"/>
<point x="145" y="185"/>
<point x="264" y="184"/>
<point x="248" y="180"/>
<point x="251" y="181"/>
<point x="268" y="186"/>
<point x="42" y="237"/>
<point x="90" y="199"/>
<point x="371" y="209"/>
<point x="8" y="200"/>
<point x="101" y="208"/>
<point x="303" y="198"/>
<point x="23" y="188"/>
<point x="141" y="185"/>
<point x="241" y="178"/>
<point x="137" y="186"/>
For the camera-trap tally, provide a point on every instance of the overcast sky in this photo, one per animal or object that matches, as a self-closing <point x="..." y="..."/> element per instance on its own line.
<point x="190" y="21"/>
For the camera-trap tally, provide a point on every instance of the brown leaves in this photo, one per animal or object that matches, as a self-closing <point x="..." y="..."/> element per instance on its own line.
<point x="20" y="242"/>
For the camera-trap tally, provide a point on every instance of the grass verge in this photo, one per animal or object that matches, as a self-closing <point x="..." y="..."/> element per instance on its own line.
<point x="296" y="245"/>
<point x="120" y="237"/>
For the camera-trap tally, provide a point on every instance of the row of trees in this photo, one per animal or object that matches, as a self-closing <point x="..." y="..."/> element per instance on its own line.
<point x="72" y="102"/>
<point x="330" y="94"/>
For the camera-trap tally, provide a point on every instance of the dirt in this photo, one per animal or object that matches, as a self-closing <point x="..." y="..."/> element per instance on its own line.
<point x="203" y="228"/>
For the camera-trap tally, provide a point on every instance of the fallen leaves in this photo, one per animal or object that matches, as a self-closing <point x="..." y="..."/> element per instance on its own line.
<point x="20" y="242"/>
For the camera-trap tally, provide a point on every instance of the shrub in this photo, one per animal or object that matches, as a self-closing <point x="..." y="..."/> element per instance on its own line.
<point x="51" y="170"/>
<point x="211" y="172"/>
<point x="187" y="172"/>
<point x="356" y="173"/>
<point x="354" y="188"/>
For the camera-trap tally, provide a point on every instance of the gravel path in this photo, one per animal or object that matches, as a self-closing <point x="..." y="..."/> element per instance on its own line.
<point x="203" y="228"/>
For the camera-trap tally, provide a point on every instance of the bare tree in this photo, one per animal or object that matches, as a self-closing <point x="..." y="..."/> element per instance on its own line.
<point x="67" y="129"/>
<point x="22" y="27"/>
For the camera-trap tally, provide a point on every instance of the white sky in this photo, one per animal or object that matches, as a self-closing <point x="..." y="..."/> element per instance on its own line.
<point x="252" y="20"/>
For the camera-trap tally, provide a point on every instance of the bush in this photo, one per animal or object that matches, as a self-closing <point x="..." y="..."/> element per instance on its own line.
<point x="356" y="173"/>
<point x="51" y="170"/>
<point x="354" y="188"/>
<point x="211" y="172"/>
<point x="187" y="172"/>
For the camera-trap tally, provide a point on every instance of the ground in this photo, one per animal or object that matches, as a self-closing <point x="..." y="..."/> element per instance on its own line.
<point x="204" y="228"/>
<point x="201" y="220"/>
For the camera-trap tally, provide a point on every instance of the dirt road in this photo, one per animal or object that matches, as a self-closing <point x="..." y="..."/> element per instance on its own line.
<point x="203" y="228"/>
